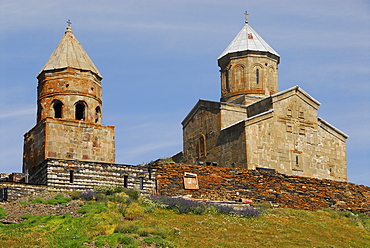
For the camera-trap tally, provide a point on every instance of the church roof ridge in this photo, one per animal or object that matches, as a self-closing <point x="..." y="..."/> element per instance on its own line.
<point x="297" y="88"/>
<point x="248" y="40"/>
<point x="249" y="118"/>
<point x="70" y="53"/>
<point x="334" y="128"/>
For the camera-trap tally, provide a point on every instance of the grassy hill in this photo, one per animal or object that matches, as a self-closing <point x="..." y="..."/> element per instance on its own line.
<point x="118" y="219"/>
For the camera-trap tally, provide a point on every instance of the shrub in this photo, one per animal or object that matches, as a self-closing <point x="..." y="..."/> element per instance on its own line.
<point x="51" y="201"/>
<point x="246" y="212"/>
<point x="162" y="232"/>
<point x="37" y="200"/>
<point x="133" y="212"/>
<point x="118" y="197"/>
<point x="61" y="199"/>
<point x="126" y="228"/>
<point x="58" y="199"/>
<point x="158" y="241"/>
<point x="181" y="205"/>
<point x="108" y="190"/>
<point x="87" y="195"/>
<point x="100" y="197"/>
<point x="75" y="195"/>
<point x="118" y="189"/>
<point x="93" y="208"/>
<point x="26" y="216"/>
<point x="99" y="243"/>
<point x="2" y="212"/>
<point x="133" y="194"/>
<point x="127" y="240"/>
<point x="122" y="209"/>
<point x="143" y="232"/>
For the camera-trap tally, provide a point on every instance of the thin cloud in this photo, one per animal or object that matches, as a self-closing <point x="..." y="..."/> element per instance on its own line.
<point x="17" y="112"/>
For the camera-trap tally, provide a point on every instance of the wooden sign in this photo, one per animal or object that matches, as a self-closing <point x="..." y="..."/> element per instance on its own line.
<point x="190" y="181"/>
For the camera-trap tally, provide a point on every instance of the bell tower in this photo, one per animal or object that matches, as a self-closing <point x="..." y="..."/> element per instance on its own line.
<point x="69" y="85"/>
<point x="69" y="110"/>
<point x="249" y="68"/>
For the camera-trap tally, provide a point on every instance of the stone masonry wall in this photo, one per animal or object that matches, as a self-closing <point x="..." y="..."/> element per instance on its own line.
<point x="82" y="175"/>
<point x="216" y="183"/>
<point x="19" y="190"/>
<point x="68" y="139"/>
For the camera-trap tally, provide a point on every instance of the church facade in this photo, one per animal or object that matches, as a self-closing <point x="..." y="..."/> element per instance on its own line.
<point x="254" y="126"/>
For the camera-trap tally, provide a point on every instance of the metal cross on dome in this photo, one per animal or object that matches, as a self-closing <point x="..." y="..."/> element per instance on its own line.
<point x="246" y="16"/>
<point x="69" y="22"/>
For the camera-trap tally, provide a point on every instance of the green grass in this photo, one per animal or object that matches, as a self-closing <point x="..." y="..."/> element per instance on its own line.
<point x="2" y="212"/>
<point x="104" y="225"/>
<point x="58" y="199"/>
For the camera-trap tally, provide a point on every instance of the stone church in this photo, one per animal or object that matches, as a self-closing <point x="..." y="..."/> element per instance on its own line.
<point x="254" y="126"/>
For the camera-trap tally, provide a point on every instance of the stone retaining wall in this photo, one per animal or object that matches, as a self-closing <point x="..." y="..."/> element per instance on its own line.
<point x="216" y="183"/>
<point x="20" y="190"/>
<point x="81" y="175"/>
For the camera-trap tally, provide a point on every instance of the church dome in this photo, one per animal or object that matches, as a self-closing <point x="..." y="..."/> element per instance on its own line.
<point x="70" y="53"/>
<point x="248" y="40"/>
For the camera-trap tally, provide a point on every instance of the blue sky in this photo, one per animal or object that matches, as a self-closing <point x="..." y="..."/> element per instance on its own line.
<point x="158" y="58"/>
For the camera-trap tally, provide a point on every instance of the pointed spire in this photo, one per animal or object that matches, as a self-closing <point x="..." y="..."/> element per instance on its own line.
<point x="248" y="40"/>
<point x="70" y="53"/>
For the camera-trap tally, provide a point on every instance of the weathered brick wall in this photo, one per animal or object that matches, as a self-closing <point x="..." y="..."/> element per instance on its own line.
<point x="81" y="175"/>
<point x="218" y="183"/>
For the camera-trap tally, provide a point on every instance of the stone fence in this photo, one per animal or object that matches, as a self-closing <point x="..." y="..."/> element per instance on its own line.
<point x="233" y="184"/>
<point x="75" y="175"/>
<point x="206" y="182"/>
<point x="13" y="190"/>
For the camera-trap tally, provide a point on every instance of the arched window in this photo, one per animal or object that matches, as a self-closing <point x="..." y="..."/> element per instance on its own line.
<point x="97" y="114"/>
<point x="239" y="77"/>
<point x="202" y="152"/>
<point x="227" y="83"/>
<point x="80" y="110"/>
<point x="57" y="106"/>
<point x="257" y="76"/>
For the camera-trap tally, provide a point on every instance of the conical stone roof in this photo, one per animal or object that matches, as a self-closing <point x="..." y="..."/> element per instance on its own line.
<point x="248" y="40"/>
<point x="70" y="53"/>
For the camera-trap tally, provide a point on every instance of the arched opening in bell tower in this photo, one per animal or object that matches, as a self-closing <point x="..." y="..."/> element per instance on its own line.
<point x="80" y="110"/>
<point x="58" y="107"/>
<point x="97" y="114"/>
